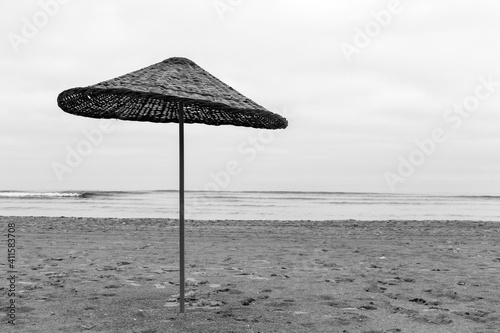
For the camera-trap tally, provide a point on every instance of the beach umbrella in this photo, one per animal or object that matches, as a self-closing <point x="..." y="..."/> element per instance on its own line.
<point x="174" y="90"/>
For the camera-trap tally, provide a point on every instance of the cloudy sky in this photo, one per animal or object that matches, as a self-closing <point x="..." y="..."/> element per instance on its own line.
<point x="380" y="96"/>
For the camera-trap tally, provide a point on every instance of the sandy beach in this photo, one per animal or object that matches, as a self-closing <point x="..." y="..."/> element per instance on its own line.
<point x="121" y="275"/>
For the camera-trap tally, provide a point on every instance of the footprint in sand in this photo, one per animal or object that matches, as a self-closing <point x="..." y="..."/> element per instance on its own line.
<point x="433" y="317"/>
<point x="132" y="283"/>
<point x="477" y="316"/>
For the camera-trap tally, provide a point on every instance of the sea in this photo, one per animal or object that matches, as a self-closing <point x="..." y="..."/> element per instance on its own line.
<point x="251" y="205"/>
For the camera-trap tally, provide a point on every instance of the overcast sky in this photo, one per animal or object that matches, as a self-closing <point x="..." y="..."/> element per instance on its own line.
<point x="361" y="82"/>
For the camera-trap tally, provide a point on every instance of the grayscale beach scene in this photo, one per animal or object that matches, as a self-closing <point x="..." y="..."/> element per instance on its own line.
<point x="231" y="166"/>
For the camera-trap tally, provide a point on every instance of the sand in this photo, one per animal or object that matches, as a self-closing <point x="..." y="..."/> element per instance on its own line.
<point x="121" y="275"/>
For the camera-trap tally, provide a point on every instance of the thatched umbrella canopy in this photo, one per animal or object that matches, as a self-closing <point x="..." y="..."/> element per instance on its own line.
<point x="174" y="90"/>
<point x="153" y="94"/>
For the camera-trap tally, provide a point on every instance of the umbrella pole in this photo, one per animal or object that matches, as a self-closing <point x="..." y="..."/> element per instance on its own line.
<point x="181" y="205"/>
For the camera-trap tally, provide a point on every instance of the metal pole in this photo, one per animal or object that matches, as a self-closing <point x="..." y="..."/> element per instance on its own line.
<point x="181" y="205"/>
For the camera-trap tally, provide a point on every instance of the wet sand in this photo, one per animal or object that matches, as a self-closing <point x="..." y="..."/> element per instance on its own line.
<point x="121" y="275"/>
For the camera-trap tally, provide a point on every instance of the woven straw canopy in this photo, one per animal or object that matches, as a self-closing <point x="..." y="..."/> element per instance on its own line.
<point x="153" y="94"/>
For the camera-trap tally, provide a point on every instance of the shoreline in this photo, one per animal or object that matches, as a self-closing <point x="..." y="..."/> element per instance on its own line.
<point x="121" y="275"/>
<point x="251" y="220"/>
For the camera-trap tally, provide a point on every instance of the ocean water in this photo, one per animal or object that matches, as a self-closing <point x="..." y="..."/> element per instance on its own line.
<point x="201" y="205"/>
